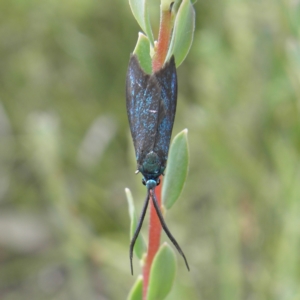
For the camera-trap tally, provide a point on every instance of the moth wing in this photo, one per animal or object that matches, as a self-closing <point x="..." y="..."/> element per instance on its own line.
<point x="167" y="78"/>
<point x="142" y="100"/>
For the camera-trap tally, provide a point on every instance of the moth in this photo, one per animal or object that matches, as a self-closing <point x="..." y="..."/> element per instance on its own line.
<point x="151" y="106"/>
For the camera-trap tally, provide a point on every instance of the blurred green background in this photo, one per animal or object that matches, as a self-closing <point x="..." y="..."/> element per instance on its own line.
<point x="66" y="154"/>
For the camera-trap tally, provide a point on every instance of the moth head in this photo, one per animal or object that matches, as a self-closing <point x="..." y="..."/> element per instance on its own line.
<point x="151" y="183"/>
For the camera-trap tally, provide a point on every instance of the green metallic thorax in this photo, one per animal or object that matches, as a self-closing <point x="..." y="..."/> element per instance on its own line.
<point x="151" y="167"/>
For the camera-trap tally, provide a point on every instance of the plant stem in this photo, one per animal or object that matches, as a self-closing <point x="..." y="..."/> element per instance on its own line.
<point x="154" y="239"/>
<point x="165" y="29"/>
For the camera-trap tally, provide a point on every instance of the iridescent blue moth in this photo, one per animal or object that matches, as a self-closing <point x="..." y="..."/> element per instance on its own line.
<point x="151" y="106"/>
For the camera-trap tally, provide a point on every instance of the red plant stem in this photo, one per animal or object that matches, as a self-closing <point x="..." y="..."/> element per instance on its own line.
<point x="162" y="45"/>
<point x="154" y="239"/>
<point x="155" y="228"/>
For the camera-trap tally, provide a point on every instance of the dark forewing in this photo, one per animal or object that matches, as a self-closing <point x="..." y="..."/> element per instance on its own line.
<point x="167" y="79"/>
<point x="142" y="101"/>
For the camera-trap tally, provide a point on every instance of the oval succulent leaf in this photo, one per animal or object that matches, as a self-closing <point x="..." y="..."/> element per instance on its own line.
<point x="177" y="169"/>
<point x="162" y="273"/>
<point x="142" y="50"/>
<point x="183" y="32"/>
<point x="140" y="12"/>
<point x="140" y="245"/>
<point x="136" y="292"/>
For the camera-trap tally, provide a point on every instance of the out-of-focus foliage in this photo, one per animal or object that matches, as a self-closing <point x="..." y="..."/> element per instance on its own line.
<point x="66" y="155"/>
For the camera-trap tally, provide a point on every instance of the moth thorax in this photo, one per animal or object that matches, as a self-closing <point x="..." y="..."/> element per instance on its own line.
<point x="152" y="163"/>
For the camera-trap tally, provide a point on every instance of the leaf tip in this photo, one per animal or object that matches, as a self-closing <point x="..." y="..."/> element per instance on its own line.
<point x="141" y="34"/>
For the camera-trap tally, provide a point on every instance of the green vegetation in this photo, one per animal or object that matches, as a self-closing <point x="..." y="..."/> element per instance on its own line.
<point x="66" y="154"/>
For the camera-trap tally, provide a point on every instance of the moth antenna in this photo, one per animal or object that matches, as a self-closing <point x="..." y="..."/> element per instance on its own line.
<point x="165" y="228"/>
<point x="138" y="229"/>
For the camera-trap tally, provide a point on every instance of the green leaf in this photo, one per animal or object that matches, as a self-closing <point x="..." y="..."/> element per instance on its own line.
<point x="177" y="169"/>
<point x="136" y="292"/>
<point x="162" y="273"/>
<point x="140" y="245"/>
<point x="183" y="32"/>
<point x="140" y="11"/>
<point x="142" y="50"/>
